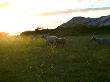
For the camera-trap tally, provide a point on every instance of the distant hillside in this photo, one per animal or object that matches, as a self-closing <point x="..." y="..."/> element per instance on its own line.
<point x="77" y="26"/>
<point x="82" y="25"/>
<point x="101" y="21"/>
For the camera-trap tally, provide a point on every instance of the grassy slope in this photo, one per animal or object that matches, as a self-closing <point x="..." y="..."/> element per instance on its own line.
<point x="81" y="60"/>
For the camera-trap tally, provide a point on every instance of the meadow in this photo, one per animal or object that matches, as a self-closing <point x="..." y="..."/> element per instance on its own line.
<point x="23" y="59"/>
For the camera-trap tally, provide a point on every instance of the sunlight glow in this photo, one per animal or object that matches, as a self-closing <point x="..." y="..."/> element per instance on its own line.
<point x="22" y="15"/>
<point x="3" y="5"/>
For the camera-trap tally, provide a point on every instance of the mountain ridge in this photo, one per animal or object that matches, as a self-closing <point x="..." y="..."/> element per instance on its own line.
<point x="100" y="21"/>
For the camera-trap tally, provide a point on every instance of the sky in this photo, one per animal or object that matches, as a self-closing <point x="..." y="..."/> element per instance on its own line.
<point x="22" y="15"/>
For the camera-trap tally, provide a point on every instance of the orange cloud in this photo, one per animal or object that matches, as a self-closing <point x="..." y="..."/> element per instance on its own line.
<point x="69" y="11"/>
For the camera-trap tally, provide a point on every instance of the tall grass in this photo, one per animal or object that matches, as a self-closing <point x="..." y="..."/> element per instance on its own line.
<point x="23" y="59"/>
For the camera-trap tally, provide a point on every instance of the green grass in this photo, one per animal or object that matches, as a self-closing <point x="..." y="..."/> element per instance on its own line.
<point x="27" y="60"/>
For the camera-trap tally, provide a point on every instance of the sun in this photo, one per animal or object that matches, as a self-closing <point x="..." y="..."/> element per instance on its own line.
<point x="17" y="15"/>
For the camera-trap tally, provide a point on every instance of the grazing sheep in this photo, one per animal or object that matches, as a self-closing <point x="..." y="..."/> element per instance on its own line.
<point x="101" y="40"/>
<point x="54" y="40"/>
<point x="50" y="40"/>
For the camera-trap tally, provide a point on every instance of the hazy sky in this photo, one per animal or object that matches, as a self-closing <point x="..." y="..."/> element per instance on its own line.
<point x="20" y="15"/>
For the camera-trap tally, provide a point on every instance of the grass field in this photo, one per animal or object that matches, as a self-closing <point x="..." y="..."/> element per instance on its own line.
<point x="27" y="60"/>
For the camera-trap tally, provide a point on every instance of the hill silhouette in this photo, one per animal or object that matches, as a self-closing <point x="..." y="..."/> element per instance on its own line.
<point x="77" y="26"/>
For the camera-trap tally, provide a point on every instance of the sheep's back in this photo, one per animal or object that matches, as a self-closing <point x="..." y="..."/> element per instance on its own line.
<point x="51" y="38"/>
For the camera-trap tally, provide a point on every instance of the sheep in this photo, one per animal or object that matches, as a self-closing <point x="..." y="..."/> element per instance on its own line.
<point x="54" y="40"/>
<point x="50" y="40"/>
<point x="101" y="40"/>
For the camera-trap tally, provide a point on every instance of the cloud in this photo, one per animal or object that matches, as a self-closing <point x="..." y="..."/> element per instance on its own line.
<point x="4" y="5"/>
<point x="70" y="11"/>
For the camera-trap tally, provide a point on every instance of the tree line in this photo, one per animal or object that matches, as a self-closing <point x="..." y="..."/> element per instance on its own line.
<point x="79" y="29"/>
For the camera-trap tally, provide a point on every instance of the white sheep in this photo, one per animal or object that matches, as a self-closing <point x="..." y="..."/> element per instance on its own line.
<point x="101" y="40"/>
<point x="54" y="40"/>
<point x="50" y="40"/>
